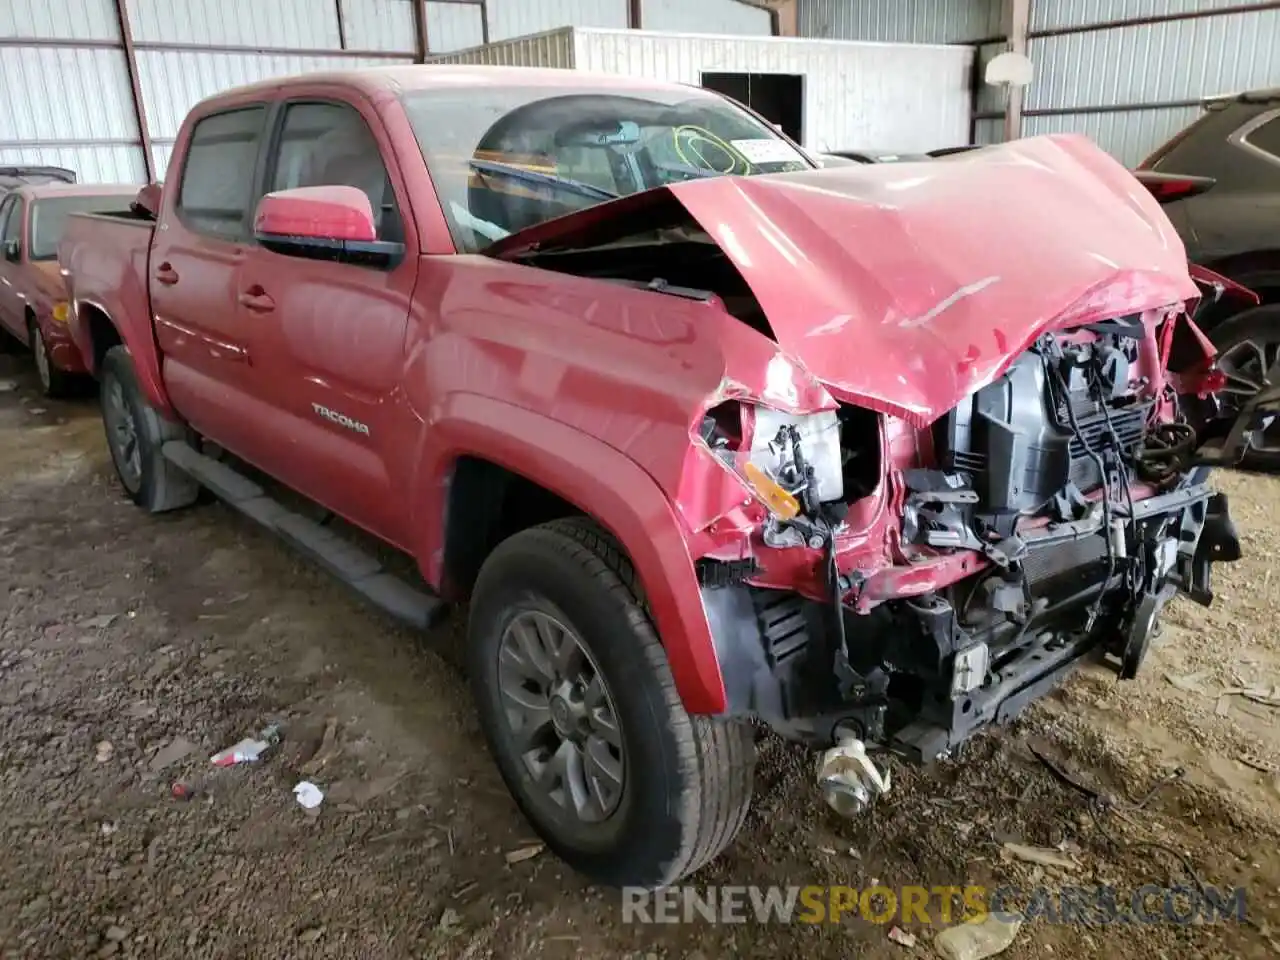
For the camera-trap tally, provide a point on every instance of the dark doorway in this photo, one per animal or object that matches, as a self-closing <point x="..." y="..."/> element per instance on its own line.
<point x="778" y="97"/>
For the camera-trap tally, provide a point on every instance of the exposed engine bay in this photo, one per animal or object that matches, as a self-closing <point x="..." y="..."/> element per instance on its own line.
<point x="1072" y="475"/>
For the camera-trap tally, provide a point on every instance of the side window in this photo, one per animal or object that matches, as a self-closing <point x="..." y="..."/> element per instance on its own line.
<point x="13" y="223"/>
<point x="217" y="179"/>
<point x="1267" y="138"/>
<point x="329" y="144"/>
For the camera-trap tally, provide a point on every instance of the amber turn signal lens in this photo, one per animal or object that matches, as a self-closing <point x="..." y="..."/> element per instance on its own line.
<point x="61" y="311"/>
<point x="782" y="504"/>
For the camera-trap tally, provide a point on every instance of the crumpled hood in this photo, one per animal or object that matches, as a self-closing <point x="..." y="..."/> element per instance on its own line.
<point x="905" y="287"/>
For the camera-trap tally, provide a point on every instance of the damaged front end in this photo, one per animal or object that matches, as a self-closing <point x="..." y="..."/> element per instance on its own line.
<point x="908" y="586"/>
<point x="919" y="497"/>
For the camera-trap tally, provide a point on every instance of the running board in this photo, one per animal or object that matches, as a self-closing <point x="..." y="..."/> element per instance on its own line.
<point x="359" y="570"/>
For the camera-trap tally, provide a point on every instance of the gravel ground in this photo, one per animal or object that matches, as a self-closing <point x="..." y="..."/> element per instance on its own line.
<point x="132" y="648"/>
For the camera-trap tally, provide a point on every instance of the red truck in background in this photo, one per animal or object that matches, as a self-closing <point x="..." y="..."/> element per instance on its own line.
<point x="33" y="296"/>
<point x="704" y="434"/>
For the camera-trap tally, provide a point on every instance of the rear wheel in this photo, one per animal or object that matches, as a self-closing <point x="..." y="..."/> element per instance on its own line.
<point x="135" y="435"/>
<point x="1248" y="345"/>
<point x="581" y="713"/>
<point x="53" y="382"/>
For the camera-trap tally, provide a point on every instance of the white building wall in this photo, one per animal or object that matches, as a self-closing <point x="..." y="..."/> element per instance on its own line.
<point x="892" y="96"/>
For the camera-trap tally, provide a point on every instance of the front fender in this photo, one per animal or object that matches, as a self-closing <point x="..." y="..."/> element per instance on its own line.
<point x="605" y="485"/>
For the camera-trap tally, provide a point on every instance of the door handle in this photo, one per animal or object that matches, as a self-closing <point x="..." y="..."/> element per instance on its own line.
<point x="257" y="300"/>
<point x="166" y="274"/>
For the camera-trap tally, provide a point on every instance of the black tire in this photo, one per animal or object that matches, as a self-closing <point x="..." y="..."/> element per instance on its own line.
<point x="157" y="485"/>
<point x="54" y="383"/>
<point x="1259" y="325"/>
<point x="688" y="779"/>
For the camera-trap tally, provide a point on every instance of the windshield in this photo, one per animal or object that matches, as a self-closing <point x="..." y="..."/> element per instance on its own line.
<point x="49" y="218"/>
<point x="506" y="158"/>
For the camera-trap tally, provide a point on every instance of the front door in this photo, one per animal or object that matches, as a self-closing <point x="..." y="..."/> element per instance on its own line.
<point x="12" y="305"/>
<point x="328" y="339"/>
<point x="196" y="259"/>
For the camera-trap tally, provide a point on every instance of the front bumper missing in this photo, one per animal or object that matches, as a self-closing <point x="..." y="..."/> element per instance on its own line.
<point x="917" y="690"/>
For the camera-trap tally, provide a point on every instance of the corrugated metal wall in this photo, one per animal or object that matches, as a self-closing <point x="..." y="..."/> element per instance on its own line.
<point x="1132" y="86"/>
<point x="706" y="16"/>
<point x="899" y="96"/>
<point x="901" y="21"/>
<point x="519" y="18"/>
<point x="68" y="106"/>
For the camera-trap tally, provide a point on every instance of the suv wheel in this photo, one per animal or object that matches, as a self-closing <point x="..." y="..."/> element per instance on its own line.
<point x="1248" y="345"/>
<point x="581" y="714"/>
<point x="135" y="434"/>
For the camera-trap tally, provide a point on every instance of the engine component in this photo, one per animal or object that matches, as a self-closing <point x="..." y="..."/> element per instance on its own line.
<point x="1033" y="436"/>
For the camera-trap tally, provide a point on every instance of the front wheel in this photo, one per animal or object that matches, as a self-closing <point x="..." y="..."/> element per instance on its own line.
<point x="54" y="383"/>
<point x="135" y="435"/>
<point x="1248" y="344"/>
<point x="581" y="713"/>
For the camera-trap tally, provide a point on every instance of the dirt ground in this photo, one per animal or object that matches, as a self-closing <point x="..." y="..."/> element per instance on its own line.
<point x="132" y="648"/>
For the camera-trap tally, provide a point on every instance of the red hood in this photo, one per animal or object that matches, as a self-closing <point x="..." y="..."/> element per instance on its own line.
<point x="905" y="287"/>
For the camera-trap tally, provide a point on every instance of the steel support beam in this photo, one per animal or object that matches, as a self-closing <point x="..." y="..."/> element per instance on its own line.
<point x="139" y="108"/>
<point x="421" y="45"/>
<point x="1017" y="28"/>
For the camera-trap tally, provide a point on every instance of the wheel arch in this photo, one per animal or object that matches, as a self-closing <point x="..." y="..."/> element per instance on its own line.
<point x="510" y="449"/>
<point x="95" y="331"/>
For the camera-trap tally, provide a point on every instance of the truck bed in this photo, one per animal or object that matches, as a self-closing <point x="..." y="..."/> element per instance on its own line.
<point x="105" y="258"/>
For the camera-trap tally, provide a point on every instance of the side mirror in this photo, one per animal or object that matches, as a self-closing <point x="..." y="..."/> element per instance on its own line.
<point x="323" y="223"/>
<point x="13" y="251"/>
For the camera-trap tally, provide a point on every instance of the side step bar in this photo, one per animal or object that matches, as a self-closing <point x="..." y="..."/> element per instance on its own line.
<point x="344" y="560"/>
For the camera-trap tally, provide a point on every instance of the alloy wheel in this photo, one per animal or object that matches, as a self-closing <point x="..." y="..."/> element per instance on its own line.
<point x="1245" y="365"/>
<point x="561" y="717"/>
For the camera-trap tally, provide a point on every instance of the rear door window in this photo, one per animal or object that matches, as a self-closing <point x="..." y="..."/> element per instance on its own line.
<point x="217" y="188"/>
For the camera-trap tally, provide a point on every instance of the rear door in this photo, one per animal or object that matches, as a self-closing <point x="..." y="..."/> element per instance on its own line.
<point x="328" y="339"/>
<point x="12" y="304"/>
<point x="200" y="245"/>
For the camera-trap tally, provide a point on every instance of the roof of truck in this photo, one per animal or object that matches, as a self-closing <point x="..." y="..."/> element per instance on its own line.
<point x="402" y="78"/>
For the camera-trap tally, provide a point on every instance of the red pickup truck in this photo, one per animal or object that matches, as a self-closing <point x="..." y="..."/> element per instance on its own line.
<point x="704" y="434"/>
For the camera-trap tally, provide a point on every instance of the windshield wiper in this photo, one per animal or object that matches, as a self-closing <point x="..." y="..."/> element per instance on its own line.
<point x="551" y="179"/>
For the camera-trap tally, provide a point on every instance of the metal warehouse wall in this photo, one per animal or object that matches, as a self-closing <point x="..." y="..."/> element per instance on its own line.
<point x="901" y="21"/>
<point x="1131" y="73"/>
<point x="101" y="86"/>
<point x="908" y="96"/>
<point x="706" y="16"/>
